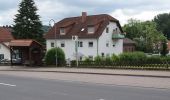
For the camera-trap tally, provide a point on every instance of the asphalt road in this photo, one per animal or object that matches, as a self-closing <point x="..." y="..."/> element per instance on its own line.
<point x="20" y="88"/>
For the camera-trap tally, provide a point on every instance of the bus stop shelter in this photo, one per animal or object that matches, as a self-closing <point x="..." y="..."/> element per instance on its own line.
<point x="26" y="52"/>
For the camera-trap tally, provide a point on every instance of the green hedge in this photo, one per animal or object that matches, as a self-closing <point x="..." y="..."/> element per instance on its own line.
<point x="50" y="57"/>
<point x="133" y="60"/>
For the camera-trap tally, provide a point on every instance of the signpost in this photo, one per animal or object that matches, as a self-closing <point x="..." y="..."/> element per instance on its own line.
<point x="75" y="38"/>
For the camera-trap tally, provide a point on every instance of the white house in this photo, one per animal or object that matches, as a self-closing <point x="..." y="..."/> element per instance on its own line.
<point x="97" y="35"/>
<point x="5" y="38"/>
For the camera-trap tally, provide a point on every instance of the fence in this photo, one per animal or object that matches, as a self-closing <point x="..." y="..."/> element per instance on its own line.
<point x="149" y="65"/>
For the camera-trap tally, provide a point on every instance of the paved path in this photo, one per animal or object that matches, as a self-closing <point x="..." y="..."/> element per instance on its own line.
<point x="143" y="73"/>
<point x="22" y="88"/>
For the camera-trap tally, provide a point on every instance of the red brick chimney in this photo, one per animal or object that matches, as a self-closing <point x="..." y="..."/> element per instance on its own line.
<point x="84" y="16"/>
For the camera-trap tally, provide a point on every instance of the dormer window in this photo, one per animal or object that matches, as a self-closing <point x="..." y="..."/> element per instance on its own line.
<point x="62" y="31"/>
<point x="91" y="29"/>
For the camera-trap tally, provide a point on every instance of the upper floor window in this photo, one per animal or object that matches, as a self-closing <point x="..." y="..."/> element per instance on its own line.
<point x="90" y="44"/>
<point x="52" y="44"/>
<point x="62" y="31"/>
<point x="107" y="30"/>
<point x="107" y="44"/>
<point x="91" y="29"/>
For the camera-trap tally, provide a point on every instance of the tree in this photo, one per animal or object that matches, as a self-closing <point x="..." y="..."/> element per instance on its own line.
<point x="164" y="50"/>
<point x="133" y="28"/>
<point x="163" y="23"/>
<point x="27" y="22"/>
<point x="147" y="37"/>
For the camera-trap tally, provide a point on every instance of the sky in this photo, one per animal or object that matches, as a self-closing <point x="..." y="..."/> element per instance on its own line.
<point x="58" y="9"/>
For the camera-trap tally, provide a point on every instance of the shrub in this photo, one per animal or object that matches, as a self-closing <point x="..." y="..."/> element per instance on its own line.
<point x="87" y="61"/>
<point x="50" y="57"/>
<point x="114" y="58"/>
<point x="98" y="59"/>
<point x="137" y="57"/>
<point x="154" y="59"/>
<point x="108" y="60"/>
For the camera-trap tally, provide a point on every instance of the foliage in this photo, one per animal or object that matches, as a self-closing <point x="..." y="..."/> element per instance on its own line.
<point x="108" y="60"/>
<point x="27" y="22"/>
<point x="114" y="58"/>
<point x="98" y="59"/>
<point x="132" y="57"/>
<point x="50" y="57"/>
<point x="164" y="50"/>
<point x="147" y="37"/>
<point x="163" y="23"/>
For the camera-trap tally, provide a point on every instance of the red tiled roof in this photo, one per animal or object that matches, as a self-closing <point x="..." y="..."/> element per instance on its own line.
<point x="5" y="35"/>
<point x="128" y="41"/>
<point x="74" y="26"/>
<point x="23" y="42"/>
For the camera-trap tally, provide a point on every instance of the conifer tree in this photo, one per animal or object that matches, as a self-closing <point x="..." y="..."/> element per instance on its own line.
<point x="27" y="22"/>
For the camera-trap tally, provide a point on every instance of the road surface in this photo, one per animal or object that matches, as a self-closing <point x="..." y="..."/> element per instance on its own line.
<point x="26" y="88"/>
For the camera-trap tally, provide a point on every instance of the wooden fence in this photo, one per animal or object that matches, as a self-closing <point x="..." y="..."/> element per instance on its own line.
<point x="125" y="65"/>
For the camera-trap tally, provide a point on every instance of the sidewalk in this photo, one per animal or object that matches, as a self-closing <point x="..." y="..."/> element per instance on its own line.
<point x="119" y="72"/>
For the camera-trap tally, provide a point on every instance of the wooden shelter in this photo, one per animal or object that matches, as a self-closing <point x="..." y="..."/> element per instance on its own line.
<point x="26" y="52"/>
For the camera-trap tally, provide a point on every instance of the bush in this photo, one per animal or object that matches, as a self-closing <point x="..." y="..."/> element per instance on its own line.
<point x="137" y="57"/>
<point x="108" y="60"/>
<point x="154" y="59"/>
<point x="50" y="57"/>
<point x="114" y="58"/>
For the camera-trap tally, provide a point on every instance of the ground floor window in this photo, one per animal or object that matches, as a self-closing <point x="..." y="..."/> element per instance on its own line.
<point x="1" y="56"/>
<point x="91" y="57"/>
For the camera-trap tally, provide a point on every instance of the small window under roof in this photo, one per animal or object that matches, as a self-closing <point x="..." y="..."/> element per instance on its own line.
<point x="91" y="29"/>
<point x="62" y="31"/>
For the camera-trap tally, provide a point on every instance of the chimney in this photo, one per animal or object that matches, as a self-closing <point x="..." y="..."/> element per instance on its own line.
<point x="84" y="16"/>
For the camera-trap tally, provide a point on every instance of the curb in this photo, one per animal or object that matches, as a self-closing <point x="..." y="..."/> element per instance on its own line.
<point x="93" y="73"/>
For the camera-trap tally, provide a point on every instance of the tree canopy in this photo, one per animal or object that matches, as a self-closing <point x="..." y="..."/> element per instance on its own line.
<point x="147" y="37"/>
<point x="163" y="23"/>
<point x="27" y="22"/>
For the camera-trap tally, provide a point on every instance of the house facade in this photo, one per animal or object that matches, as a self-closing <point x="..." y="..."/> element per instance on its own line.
<point x="5" y="38"/>
<point x="97" y="35"/>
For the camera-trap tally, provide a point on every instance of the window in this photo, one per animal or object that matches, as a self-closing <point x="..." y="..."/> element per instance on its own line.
<point x="91" y="57"/>
<point x="52" y="44"/>
<point x="80" y="44"/>
<point x="62" y="31"/>
<point x="1" y="56"/>
<point x="62" y="44"/>
<point x="107" y="44"/>
<point x="107" y="30"/>
<point x="90" y="44"/>
<point x="102" y="54"/>
<point x="91" y="30"/>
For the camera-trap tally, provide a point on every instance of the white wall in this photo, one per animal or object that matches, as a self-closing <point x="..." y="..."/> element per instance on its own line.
<point x="107" y="38"/>
<point x="4" y="50"/>
<point x="69" y="48"/>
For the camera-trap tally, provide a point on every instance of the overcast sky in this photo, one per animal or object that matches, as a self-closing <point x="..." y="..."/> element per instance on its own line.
<point x="59" y="9"/>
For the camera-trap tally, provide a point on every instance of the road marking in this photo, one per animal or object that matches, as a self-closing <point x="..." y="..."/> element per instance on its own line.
<point x="101" y="99"/>
<point x="7" y="84"/>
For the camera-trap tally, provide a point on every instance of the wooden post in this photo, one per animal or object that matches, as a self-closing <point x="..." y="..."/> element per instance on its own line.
<point x="30" y="57"/>
<point x="11" y="56"/>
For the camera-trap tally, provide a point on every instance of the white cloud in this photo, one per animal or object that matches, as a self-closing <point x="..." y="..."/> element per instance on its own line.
<point x="123" y="15"/>
<point x="6" y="18"/>
<point x="59" y="9"/>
